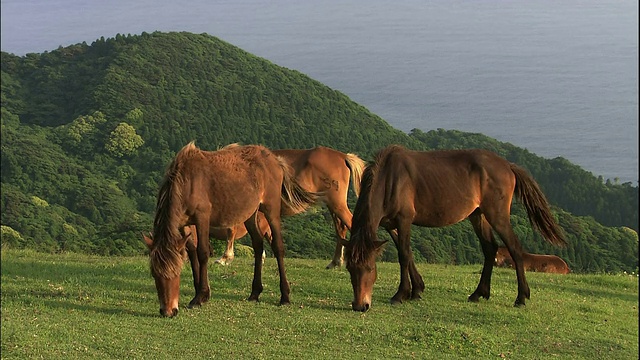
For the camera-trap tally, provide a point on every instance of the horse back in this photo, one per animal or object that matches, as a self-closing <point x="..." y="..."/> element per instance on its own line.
<point x="449" y="185"/>
<point x="231" y="183"/>
<point x="549" y="264"/>
<point x="320" y="169"/>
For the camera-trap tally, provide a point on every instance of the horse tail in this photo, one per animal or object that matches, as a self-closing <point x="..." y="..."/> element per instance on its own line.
<point x="538" y="210"/>
<point x="356" y="167"/>
<point x="295" y="198"/>
<point x="166" y="256"/>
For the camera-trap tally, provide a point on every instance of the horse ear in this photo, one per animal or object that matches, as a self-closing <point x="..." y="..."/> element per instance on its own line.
<point x="148" y="240"/>
<point x="379" y="246"/>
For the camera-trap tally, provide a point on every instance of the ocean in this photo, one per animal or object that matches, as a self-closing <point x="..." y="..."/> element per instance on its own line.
<point x="559" y="78"/>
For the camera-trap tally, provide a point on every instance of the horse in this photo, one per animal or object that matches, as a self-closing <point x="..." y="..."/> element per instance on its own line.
<point x="533" y="262"/>
<point x="326" y="170"/>
<point x="191" y="239"/>
<point x="228" y="234"/>
<point x="221" y="189"/>
<point x="435" y="189"/>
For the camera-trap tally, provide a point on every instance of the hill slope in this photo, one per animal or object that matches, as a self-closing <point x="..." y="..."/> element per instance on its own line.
<point x="87" y="131"/>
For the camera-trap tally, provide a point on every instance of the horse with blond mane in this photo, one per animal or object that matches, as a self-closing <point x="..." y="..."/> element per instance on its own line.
<point x="219" y="189"/>
<point x="436" y="189"/>
<point x="325" y="170"/>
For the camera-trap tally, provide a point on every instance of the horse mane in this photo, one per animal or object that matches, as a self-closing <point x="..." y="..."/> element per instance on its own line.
<point x="166" y="254"/>
<point x="364" y="227"/>
<point x="230" y="146"/>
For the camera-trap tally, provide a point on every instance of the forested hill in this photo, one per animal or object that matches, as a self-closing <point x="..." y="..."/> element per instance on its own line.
<point x="87" y="131"/>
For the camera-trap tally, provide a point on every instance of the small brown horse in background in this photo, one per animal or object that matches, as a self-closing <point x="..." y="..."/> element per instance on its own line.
<point x="325" y="170"/>
<point x="219" y="189"/>
<point x="533" y="262"/>
<point x="436" y="189"/>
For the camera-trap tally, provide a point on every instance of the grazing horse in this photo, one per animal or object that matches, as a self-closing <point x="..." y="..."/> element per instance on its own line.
<point x="533" y="262"/>
<point x="325" y="170"/>
<point x="436" y="189"/>
<point x="228" y="234"/>
<point x="219" y="189"/>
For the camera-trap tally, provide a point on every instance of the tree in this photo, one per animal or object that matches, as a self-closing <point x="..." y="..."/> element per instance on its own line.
<point x="123" y="140"/>
<point x="84" y="129"/>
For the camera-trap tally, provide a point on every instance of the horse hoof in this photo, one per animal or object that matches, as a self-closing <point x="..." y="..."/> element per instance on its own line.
<point x="331" y="265"/>
<point x="395" y="301"/>
<point x="473" y="299"/>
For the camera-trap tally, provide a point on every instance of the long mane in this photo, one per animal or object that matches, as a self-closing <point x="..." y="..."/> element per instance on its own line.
<point x="367" y="213"/>
<point x="166" y="254"/>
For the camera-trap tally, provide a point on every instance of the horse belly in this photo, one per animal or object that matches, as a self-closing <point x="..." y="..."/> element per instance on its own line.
<point x="443" y="215"/>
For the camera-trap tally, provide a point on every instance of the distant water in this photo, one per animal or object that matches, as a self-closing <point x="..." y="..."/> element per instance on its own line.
<point x="559" y="78"/>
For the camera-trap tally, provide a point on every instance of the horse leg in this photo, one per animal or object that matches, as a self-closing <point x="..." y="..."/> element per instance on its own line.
<point x="489" y="249"/>
<point x="502" y="225"/>
<point x="258" y="249"/>
<point x="192" y="252"/>
<point x="405" y="258"/>
<point x="417" y="284"/>
<point x="203" y="250"/>
<point x="278" y="251"/>
<point x="228" y="255"/>
<point x="341" y="227"/>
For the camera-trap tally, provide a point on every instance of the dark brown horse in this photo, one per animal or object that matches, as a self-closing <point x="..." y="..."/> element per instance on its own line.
<point x="325" y="170"/>
<point x="436" y="189"/>
<point x="219" y="189"/>
<point x="533" y="262"/>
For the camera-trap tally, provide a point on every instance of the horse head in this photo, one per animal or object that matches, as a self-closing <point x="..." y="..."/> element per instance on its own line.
<point x="503" y="258"/>
<point x="363" y="271"/>
<point x="165" y="269"/>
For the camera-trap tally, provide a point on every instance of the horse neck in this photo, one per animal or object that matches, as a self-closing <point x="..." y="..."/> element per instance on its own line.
<point x="367" y="215"/>
<point x="166" y="256"/>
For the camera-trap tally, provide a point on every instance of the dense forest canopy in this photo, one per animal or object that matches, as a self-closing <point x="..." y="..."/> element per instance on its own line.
<point x="87" y="131"/>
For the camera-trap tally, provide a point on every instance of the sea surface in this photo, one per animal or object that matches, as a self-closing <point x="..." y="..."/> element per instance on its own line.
<point x="559" y="78"/>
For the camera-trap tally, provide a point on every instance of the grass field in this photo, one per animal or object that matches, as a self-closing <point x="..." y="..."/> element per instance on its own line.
<point x="78" y="306"/>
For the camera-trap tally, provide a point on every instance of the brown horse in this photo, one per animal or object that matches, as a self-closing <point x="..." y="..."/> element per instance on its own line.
<point x="533" y="262"/>
<point x="322" y="169"/>
<point x="435" y="189"/>
<point x="228" y="234"/>
<point x="219" y="189"/>
<point x="191" y="241"/>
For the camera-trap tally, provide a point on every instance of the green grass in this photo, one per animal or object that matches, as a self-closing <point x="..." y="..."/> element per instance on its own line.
<point x="79" y="306"/>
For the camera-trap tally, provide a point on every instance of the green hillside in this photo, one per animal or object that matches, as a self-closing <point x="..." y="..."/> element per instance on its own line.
<point x="87" y="131"/>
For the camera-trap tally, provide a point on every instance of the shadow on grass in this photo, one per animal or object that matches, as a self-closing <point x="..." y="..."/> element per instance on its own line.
<point x="576" y="289"/>
<point x="107" y="310"/>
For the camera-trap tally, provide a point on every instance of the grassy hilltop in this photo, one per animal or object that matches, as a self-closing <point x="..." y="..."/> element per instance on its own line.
<point x="81" y="306"/>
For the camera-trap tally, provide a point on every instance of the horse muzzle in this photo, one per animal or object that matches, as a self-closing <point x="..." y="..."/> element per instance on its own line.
<point x="360" y="307"/>
<point x="169" y="313"/>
